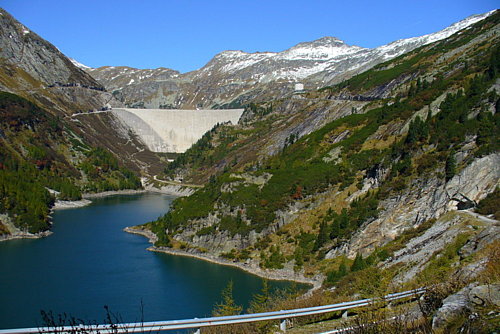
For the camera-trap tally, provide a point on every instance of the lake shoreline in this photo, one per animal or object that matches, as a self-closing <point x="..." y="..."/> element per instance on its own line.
<point x="113" y="193"/>
<point x="61" y="205"/>
<point x="85" y="201"/>
<point x="25" y="235"/>
<point x="87" y="197"/>
<point x="277" y="275"/>
<point x="90" y="262"/>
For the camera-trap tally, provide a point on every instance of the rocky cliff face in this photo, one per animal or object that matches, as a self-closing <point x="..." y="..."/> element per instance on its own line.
<point x="24" y="49"/>
<point x="33" y="68"/>
<point x="131" y="85"/>
<point x="237" y="77"/>
<point x="424" y="199"/>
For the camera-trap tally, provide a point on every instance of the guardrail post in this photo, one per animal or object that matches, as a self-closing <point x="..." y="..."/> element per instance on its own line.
<point x="283" y="325"/>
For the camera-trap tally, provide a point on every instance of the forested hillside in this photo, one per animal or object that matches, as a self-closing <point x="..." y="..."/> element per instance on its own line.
<point x="360" y="185"/>
<point x="404" y="144"/>
<point x="434" y="110"/>
<point x="38" y="153"/>
<point x="45" y="153"/>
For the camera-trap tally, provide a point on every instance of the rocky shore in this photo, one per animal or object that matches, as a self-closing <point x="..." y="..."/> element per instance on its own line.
<point x="164" y="187"/>
<point x="252" y="268"/>
<point x="86" y="198"/>
<point x="58" y="205"/>
<point x="15" y="233"/>
<point x="113" y="192"/>
<point x="24" y="235"/>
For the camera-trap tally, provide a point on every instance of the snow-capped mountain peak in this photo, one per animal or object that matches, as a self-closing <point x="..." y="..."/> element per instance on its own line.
<point x="323" y="49"/>
<point x="80" y="65"/>
<point x="401" y="46"/>
<point x="324" y="54"/>
<point x="456" y="27"/>
<point x="307" y="58"/>
<point x="235" y="74"/>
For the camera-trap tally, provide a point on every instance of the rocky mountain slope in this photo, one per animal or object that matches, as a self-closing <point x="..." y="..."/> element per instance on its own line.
<point x="41" y="60"/>
<point x="361" y="185"/>
<point x="46" y="153"/>
<point x="36" y="70"/>
<point x="236" y="77"/>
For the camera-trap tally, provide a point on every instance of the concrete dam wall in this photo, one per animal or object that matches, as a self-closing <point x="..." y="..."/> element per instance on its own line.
<point x="167" y="130"/>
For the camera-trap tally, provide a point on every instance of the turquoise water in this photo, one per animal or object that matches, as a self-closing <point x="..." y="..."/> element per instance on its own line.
<point x="89" y="262"/>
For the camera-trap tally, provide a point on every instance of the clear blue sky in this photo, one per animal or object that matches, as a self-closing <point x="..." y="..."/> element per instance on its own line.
<point x="185" y="34"/>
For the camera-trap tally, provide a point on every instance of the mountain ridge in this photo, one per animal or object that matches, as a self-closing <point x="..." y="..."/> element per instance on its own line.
<point x="235" y="77"/>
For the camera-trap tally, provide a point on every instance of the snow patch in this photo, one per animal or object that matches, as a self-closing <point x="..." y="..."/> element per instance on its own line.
<point x="396" y="48"/>
<point x="80" y="65"/>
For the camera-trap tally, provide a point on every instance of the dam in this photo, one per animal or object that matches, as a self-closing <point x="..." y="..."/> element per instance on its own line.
<point x="173" y="130"/>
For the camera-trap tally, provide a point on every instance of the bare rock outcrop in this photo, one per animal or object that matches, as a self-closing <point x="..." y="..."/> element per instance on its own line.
<point x="426" y="198"/>
<point x="23" y="48"/>
<point x="464" y="304"/>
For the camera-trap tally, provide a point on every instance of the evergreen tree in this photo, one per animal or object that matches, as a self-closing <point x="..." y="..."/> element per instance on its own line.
<point x="227" y="306"/>
<point x="494" y="67"/>
<point x="322" y="236"/>
<point x="335" y="275"/>
<point x="260" y="300"/>
<point x="335" y="229"/>
<point x="359" y="263"/>
<point x="486" y="128"/>
<point x="343" y="219"/>
<point x="342" y="268"/>
<point x="417" y="131"/>
<point x="411" y="91"/>
<point x="450" y="167"/>
<point x="276" y="259"/>
<point x="299" y="257"/>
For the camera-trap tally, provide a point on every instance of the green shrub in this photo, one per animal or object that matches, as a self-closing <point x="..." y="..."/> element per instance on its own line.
<point x="490" y="204"/>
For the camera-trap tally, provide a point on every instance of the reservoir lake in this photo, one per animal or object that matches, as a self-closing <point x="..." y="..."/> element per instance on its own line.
<point x="89" y="262"/>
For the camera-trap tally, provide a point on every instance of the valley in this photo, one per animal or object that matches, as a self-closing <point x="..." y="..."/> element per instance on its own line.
<point x="381" y="175"/>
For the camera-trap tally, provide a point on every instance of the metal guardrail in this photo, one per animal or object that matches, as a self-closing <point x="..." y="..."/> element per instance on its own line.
<point x="197" y="324"/>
